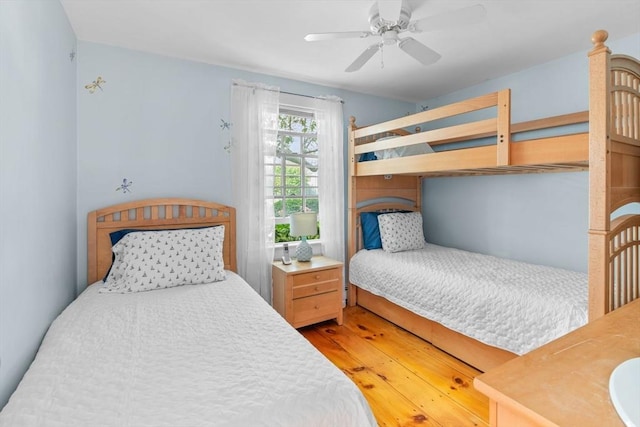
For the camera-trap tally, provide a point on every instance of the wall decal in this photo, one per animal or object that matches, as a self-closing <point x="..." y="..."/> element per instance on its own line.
<point x="227" y="147"/>
<point x="125" y="186"/>
<point x="226" y="126"/>
<point x="97" y="84"/>
<point x="72" y="55"/>
<point x="424" y="107"/>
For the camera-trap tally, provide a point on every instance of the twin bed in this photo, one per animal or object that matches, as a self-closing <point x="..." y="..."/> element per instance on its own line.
<point x="482" y="309"/>
<point x="211" y="353"/>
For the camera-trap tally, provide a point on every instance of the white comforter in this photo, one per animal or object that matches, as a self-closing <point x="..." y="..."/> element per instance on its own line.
<point x="204" y="355"/>
<point x="507" y="304"/>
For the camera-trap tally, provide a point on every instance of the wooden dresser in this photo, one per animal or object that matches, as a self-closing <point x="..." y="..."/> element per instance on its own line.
<point x="565" y="382"/>
<point x="308" y="292"/>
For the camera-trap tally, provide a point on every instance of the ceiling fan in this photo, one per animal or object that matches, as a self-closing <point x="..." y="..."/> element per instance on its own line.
<point x="390" y="18"/>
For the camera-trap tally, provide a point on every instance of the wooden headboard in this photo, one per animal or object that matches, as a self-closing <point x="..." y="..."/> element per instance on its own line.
<point x="153" y="214"/>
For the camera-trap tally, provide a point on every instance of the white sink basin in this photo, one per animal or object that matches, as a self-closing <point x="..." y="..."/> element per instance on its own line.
<point x="624" y="388"/>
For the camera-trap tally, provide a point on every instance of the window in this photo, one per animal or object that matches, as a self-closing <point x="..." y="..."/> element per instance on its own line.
<point x="295" y="182"/>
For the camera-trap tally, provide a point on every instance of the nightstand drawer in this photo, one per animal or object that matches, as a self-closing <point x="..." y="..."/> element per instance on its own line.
<point x="316" y="307"/>
<point x="315" y="277"/>
<point x="315" y="289"/>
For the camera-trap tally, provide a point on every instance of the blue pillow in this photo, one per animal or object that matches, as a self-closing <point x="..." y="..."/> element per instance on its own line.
<point x="365" y="157"/>
<point x="371" y="230"/>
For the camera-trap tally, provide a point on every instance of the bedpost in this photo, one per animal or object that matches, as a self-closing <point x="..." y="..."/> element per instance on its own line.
<point x="352" y="211"/>
<point x="92" y="261"/>
<point x="599" y="175"/>
<point x="504" y="128"/>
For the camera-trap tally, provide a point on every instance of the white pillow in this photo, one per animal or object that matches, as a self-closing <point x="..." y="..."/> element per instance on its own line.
<point x="148" y="260"/>
<point x="401" y="231"/>
<point x="407" y="150"/>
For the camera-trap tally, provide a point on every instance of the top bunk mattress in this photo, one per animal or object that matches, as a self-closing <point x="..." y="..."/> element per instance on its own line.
<point x="507" y="304"/>
<point x="212" y="354"/>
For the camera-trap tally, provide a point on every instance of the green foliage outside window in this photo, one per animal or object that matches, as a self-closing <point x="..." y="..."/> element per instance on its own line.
<point x="282" y="234"/>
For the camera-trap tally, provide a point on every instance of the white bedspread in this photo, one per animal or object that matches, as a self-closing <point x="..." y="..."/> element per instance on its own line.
<point x="507" y="304"/>
<point x="204" y="355"/>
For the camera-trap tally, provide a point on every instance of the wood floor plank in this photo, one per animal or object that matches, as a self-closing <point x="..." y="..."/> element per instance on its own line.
<point x="402" y="413"/>
<point x="359" y="315"/>
<point x="447" y="374"/>
<point x="405" y="379"/>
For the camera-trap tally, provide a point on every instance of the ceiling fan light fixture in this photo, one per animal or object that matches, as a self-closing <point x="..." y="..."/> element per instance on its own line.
<point x="390" y="37"/>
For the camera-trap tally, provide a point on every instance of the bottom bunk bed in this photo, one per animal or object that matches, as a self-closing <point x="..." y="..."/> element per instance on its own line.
<point x="212" y="353"/>
<point x="483" y="309"/>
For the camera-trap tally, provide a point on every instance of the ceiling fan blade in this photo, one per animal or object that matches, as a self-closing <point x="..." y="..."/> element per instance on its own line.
<point x="363" y="58"/>
<point x="389" y="10"/>
<point x="418" y="51"/>
<point x="332" y="36"/>
<point x="452" y="19"/>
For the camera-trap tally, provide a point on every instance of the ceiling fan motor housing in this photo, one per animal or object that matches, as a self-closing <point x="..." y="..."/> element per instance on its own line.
<point x="380" y="26"/>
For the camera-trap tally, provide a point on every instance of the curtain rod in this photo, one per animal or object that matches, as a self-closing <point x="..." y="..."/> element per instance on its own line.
<point x="289" y="93"/>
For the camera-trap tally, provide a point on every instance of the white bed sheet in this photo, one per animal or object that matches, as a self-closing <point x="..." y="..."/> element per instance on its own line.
<point x="203" y="355"/>
<point x="508" y="304"/>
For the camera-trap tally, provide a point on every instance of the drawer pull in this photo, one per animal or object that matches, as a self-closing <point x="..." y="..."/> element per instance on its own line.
<point x="316" y="307"/>
<point x="317" y="276"/>
<point x="316" y="288"/>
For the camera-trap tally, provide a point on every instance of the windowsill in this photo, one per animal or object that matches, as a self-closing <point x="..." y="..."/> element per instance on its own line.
<point x="316" y="246"/>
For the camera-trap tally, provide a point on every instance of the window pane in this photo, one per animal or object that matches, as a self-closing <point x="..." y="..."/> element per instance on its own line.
<point x="311" y="164"/>
<point x="293" y="167"/>
<point x="284" y="141"/>
<point x="293" y="205"/>
<point x="295" y="144"/>
<point x="277" y="206"/>
<point x="311" y="205"/>
<point x="311" y="181"/>
<point x="293" y="191"/>
<point x="310" y="145"/>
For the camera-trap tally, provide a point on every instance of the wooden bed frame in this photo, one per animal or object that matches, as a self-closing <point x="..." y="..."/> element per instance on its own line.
<point x="610" y="150"/>
<point x="154" y="214"/>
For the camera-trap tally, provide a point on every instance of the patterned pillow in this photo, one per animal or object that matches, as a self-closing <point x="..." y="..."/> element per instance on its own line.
<point x="150" y="260"/>
<point x="401" y="231"/>
<point x="371" y="230"/>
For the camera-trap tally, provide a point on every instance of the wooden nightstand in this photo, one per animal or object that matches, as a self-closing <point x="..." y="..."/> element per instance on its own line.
<point x="308" y="292"/>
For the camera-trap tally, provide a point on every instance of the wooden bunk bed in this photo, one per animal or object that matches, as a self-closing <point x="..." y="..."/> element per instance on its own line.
<point x="610" y="150"/>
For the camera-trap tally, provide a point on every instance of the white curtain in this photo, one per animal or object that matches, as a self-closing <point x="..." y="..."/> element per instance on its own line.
<point x="330" y="130"/>
<point x="254" y="118"/>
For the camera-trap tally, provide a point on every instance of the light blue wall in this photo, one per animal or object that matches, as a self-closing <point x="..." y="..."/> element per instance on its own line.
<point x="37" y="178"/>
<point x="157" y="123"/>
<point x="540" y="218"/>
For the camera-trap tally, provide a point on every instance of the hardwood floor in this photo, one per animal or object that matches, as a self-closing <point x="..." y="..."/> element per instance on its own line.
<point x="406" y="380"/>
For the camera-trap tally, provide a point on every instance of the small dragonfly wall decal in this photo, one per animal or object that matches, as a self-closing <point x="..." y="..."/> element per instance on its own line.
<point x="97" y="84"/>
<point x="225" y="125"/>
<point x="125" y="186"/>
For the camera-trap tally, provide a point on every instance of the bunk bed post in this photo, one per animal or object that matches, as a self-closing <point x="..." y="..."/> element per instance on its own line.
<point x="351" y="227"/>
<point x="504" y="128"/>
<point x="599" y="174"/>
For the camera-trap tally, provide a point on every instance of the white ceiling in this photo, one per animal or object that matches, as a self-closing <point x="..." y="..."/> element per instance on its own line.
<point x="266" y="36"/>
